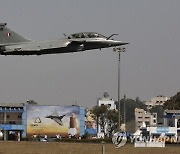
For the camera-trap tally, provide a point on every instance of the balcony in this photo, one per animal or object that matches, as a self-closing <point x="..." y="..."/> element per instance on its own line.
<point x="11" y="127"/>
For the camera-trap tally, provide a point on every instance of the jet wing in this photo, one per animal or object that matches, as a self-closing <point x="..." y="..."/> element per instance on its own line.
<point x="58" y="121"/>
<point x="33" y="46"/>
<point x="40" y="46"/>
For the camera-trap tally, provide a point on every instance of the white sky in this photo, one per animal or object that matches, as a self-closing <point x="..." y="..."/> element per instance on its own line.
<point x="149" y="67"/>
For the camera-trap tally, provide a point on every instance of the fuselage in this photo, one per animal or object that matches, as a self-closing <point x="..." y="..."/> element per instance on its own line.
<point x="13" y="44"/>
<point x="58" y="46"/>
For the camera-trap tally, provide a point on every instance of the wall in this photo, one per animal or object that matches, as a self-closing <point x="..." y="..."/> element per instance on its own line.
<point x="55" y="120"/>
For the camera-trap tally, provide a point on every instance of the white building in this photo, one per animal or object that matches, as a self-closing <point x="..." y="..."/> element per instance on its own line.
<point x="169" y="132"/>
<point x="172" y="119"/>
<point x="171" y="127"/>
<point x="141" y="116"/>
<point x="158" y="100"/>
<point x="106" y="100"/>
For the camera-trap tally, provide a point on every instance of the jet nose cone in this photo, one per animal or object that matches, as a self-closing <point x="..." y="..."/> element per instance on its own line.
<point x="119" y="43"/>
<point x="124" y="43"/>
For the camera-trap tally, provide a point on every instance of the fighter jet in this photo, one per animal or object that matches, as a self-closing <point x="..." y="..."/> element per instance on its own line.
<point x="56" y="118"/>
<point x="12" y="43"/>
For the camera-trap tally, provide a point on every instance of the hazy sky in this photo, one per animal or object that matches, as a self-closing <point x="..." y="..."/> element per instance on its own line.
<point x="148" y="68"/>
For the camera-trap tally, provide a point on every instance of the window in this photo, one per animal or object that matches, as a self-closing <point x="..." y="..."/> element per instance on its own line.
<point x="86" y="35"/>
<point x="147" y="123"/>
<point x="19" y="116"/>
<point x="109" y="105"/>
<point x="12" y="122"/>
<point x="8" y="116"/>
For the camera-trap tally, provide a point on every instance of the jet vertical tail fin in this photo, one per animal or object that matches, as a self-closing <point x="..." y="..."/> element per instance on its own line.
<point x="8" y="36"/>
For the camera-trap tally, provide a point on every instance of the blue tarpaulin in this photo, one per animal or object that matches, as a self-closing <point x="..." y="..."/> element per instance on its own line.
<point x="91" y="131"/>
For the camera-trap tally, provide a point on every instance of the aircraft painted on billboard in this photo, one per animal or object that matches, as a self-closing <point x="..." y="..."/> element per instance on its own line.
<point x="54" y="120"/>
<point x="57" y="118"/>
<point x="12" y="43"/>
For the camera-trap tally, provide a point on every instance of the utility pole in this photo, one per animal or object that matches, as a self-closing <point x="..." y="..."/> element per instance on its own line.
<point x="119" y="50"/>
<point x="125" y="112"/>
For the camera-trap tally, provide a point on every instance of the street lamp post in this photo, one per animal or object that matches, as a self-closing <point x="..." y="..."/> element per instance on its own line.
<point x="119" y="50"/>
<point x="124" y="112"/>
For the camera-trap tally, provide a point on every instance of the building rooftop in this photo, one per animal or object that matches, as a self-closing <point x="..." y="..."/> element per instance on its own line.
<point x="11" y="104"/>
<point x="172" y="111"/>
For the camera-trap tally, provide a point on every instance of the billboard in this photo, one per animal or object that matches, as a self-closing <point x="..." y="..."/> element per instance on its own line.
<point x="53" y="120"/>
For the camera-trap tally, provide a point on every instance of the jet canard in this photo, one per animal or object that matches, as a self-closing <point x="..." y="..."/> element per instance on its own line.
<point x="12" y="43"/>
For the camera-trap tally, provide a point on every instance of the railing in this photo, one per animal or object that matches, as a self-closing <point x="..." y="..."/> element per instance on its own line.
<point x="11" y="109"/>
<point x="12" y="122"/>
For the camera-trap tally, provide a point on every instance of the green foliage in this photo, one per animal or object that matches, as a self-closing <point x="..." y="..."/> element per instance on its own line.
<point x="83" y="140"/>
<point x="106" y="140"/>
<point x="25" y="139"/>
<point x="130" y="126"/>
<point x="105" y="116"/>
<point x="86" y="135"/>
<point x="173" y="103"/>
<point x="130" y="106"/>
<point x="112" y="117"/>
<point x="100" y="110"/>
<point x="160" y="112"/>
<point x="100" y="113"/>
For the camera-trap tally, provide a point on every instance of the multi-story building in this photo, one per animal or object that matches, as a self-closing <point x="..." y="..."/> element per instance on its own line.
<point x="12" y="121"/>
<point x="171" y="127"/>
<point x="27" y="120"/>
<point x="169" y="131"/>
<point x="158" y="100"/>
<point x="172" y="119"/>
<point x="142" y="116"/>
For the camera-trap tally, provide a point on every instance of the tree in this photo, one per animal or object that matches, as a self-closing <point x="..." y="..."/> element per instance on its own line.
<point x="130" y="108"/>
<point x="173" y="103"/>
<point x="100" y="113"/>
<point x="112" y="117"/>
<point x="106" y="117"/>
<point x="109" y="118"/>
<point x="160" y="112"/>
<point x="31" y="102"/>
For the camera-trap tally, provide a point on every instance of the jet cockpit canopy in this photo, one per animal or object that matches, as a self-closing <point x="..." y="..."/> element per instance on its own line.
<point x="86" y="35"/>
